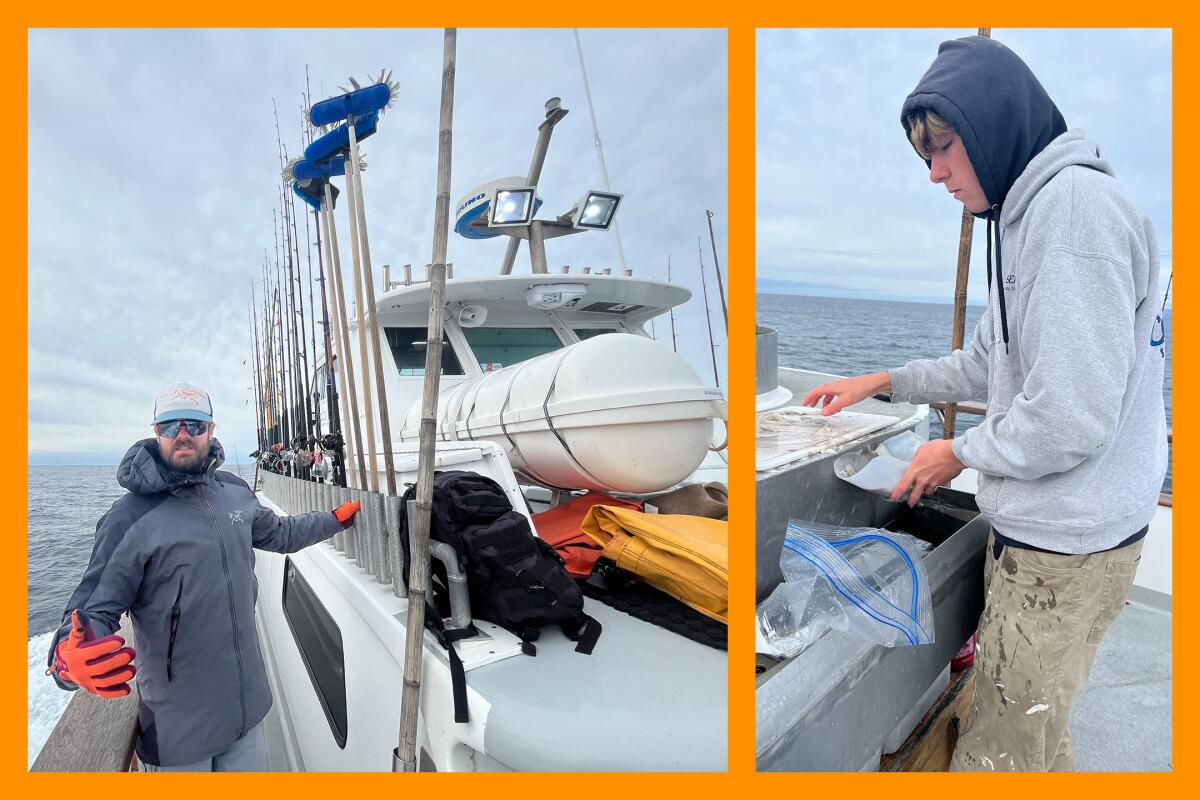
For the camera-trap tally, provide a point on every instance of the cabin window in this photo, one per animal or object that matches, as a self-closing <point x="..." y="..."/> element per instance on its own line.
<point x="587" y="333"/>
<point x="408" y="351"/>
<point x="320" y="643"/>
<point x="500" y="347"/>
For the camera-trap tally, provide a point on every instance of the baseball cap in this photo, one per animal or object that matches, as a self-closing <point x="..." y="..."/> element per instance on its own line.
<point x="182" y="401"/>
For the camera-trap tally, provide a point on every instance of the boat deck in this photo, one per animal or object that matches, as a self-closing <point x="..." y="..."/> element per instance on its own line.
<point x="1122" y="722"/>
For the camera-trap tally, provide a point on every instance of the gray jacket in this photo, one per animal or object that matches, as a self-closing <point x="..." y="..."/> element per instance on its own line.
<point x="1072" y="454"/>
<point x="176" y="552"/>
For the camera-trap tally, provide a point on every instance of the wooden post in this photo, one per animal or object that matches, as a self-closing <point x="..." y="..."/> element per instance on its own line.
<point x="362" y="320"/>
<point x="339" y="413"/>
<point x="369" y="318"/>
<point x="959" y="326"/>
<point x="405" y="756"/>
<point x="340" y="291"/>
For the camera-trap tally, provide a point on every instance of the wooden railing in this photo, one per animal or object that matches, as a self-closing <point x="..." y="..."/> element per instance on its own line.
<point x="94" y="734"/>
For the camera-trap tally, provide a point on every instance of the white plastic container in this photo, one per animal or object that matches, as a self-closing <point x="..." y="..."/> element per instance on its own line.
<point x="617" y="412"/>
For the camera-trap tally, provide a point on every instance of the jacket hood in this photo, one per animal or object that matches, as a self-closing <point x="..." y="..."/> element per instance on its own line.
<point x="1068" y="150"/>
<point x="995" y="104"/>
<point x="143" y="472"/>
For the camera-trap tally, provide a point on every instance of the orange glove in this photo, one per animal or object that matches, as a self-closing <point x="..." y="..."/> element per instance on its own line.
<point x="101" y="666"/>
<point x="346" y="511"/>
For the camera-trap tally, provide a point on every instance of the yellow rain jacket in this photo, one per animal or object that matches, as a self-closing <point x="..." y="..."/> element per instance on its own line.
<point x="686" y="557"/>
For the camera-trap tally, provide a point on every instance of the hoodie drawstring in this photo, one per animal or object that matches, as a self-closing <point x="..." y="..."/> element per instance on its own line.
<point x="994" y="218"/>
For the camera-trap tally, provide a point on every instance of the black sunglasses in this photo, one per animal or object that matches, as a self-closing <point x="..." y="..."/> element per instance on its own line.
<point x="170" y="429"/>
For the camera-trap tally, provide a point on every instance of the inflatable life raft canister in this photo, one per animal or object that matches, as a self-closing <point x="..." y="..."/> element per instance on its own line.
<point x="617" y="412"/>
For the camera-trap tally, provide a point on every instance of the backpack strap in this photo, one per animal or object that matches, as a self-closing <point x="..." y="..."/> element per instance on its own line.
<point x="458" y="675"/>
<point x="584" y="631"/>
<point x="528" y="637"/>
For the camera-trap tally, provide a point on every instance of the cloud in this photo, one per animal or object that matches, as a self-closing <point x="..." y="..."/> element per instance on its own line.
<point x="842" y="200"/>
<point x="152" y="183"/>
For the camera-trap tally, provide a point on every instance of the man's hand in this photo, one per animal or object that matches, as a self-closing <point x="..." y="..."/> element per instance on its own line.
<point x="102" y="666"/>
<point x="346" y="511"/>
<point x="847" y="391"/>
<point x="934" y="465"/>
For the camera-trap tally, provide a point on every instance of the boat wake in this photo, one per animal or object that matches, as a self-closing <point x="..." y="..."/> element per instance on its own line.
<point x="46" y="700"/>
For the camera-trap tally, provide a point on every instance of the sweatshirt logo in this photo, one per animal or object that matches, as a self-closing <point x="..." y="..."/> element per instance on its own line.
<point x="236" y="516"/>
<point x="1158" y="334"/>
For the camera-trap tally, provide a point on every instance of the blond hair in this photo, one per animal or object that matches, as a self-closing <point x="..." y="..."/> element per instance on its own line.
<point x="928" y="132"/>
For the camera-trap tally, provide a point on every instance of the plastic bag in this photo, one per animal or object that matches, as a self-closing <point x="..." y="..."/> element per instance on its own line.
<point x="879" y="473"/>
<point x="868" y="582"/>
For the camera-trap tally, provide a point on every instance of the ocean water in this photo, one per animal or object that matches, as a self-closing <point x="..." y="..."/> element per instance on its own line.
<point x="852" y="337"/>
<point x="65" y="503"/>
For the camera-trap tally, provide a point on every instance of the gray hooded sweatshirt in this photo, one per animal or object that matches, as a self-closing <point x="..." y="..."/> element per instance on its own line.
<point x="177" y="553"/>
<point x="1069" y="354"/>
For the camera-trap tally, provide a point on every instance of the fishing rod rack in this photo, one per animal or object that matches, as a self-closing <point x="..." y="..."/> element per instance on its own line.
<point x="372" y="543"/>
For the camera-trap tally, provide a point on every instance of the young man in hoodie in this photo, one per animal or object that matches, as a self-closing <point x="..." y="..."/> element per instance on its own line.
<point x="176" y="552"/>
<point x="1069" y="356"/>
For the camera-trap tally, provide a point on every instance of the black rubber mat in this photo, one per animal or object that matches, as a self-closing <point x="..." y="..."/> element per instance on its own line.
<point x="619" y="589"/>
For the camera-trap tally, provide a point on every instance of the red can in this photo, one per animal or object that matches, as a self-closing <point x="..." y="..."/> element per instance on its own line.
<point x="965" y="657"/>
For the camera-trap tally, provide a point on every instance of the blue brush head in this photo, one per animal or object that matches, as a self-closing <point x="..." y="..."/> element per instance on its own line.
<point x="359" y="103"/>
<point x="337" y="141"/>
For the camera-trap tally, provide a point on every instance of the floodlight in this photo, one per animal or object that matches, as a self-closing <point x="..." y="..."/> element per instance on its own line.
<point x="596" y="211"/>
<point x="510" y="207"/>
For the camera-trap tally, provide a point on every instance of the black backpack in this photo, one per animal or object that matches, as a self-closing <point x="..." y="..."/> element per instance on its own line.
<point x="515" y="579"/>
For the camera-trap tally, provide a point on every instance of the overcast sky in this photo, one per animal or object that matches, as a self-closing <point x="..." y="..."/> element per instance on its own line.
<point x="845" y="208"/>
<point x="153" y="172"/>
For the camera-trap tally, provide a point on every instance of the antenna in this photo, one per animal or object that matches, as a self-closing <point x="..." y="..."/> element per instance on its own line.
<point x="712" y="347"/>
<point x="587" y="92"/>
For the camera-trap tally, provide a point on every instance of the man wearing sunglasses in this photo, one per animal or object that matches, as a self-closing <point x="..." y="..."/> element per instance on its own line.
<point x="177" y="553"/>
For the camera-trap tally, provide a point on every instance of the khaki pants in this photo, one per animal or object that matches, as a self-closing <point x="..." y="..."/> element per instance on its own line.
<point x="1043" y="618"/>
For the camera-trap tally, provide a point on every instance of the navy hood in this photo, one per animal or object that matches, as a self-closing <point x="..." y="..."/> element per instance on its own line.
<point x="142" y="470"/>
<point x="995" y="104"/>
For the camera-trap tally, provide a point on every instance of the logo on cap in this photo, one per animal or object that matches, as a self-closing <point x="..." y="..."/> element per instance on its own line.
<point x="187" y="394"/>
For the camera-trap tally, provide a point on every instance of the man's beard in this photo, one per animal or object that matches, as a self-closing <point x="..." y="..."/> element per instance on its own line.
<point x="188" y="462"/>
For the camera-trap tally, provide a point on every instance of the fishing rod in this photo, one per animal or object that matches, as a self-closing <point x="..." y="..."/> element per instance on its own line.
<point x="331" y="392"/>
<point x="258" y="417"/>
<point x="712" y="347"/>
<point x="284" y="377"/>
<point x="293" y="344"/>
<point x="717" y="266"/>
<point x="281" y="361"/>
<point x="269" y="357"/>
<point x="295" y="366"/>
<point x="674" y="339"/>
<point x="306" y="130"/>
<point x="303" y="364"/>
<point x="312" y="327"/>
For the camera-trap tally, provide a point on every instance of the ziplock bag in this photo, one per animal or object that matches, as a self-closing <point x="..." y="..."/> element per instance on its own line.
<point x="868" y="582"/>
